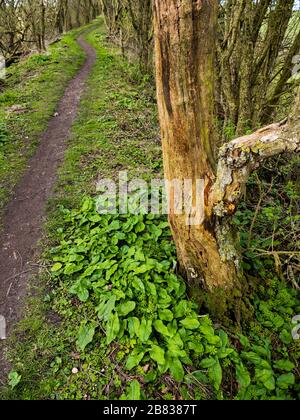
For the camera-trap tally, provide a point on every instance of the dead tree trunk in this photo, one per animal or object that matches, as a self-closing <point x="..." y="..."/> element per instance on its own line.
<point x="207" y="250"/>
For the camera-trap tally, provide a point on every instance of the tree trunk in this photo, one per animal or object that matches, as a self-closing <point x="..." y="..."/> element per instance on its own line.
<point x="207" y="249"/>
<point x="185" y="49"/>
<point x="43" y="26"/>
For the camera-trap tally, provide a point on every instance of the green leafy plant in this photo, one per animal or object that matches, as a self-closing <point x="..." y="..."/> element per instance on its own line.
<point x="123" y="265"/>
<point x="85" y="336"/>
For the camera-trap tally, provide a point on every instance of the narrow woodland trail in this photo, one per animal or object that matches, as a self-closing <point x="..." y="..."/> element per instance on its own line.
<point x="24" y="216"/>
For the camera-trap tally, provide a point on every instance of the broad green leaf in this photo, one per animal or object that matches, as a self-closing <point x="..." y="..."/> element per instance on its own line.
<point x="134" y="359"/>
<point x="196" y="347"/>
<point x="244" y="341"/>
<point x="151" y="376"/>
<point x="224" y="352"/>
<point x="76" y="258"/>
<point x="143" y="268"/>
<point x="155" y="231"/>
<point x="243" y="376"/>
<point x="285" y="381"/>
<point x="120" y="236"/>
<point x="182" y="308"/>
<point x="111" y="271"/>
<point x="190" y="323"/>
<point x="165" y="315"/>
<point x="106" y="265"/>
<point x="112" y="328"/>
<point x="173" y="328"/>
<point x="115" y="225"/>
<point x="80" y="289"/>
<point x="134" y="391"/>
<point x="252" y="357"/>
<point x="161" y="328"/>
<point x="152" y="289"/>
<point x="85" y="336"/>
<point x="87" y="205"/>
<point x="140" y="227"/>
<point x="207" y="363"/>
<point x="138" y="284"/>
<point x="285" y="365"/>
<point x="200" y="376"/>
<point x="210" y="335"/>
<point x="89" y="271"/>
<point x="56" y="267"/>
<point x="174" y="350"/>
<point x="95" y="218"/>
<point x="264" y="364"/>
<point x="261" y="351"/>
<point x="145" y="330"/>
<point x="119" y="294"/>
<point x="134" y="327"/>
<point x="157" y="354"/>
<point x="125" y="308"/>
<point x="105" y="311"/>
<point x="176" y="339"/>
<point x="266" y="377"/>
<point x="176" y="369"/>
<point x="139" y="255"/>
<point x="71" y="268"/>
<point x="286" y="337"/>
<point x="123" y="328"/>
<point x="164" y="225"/>
<point x="215" y="375"/>
<point x="224" y="338"/>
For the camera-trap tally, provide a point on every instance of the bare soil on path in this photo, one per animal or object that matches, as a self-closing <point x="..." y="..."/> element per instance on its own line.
<point x="25" y="215"/>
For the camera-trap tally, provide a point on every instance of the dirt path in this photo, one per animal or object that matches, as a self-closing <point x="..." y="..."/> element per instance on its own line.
<point x="25" y="214"/>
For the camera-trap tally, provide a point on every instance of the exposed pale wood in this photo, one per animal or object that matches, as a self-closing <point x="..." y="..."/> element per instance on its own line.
<point x="240" y="157"/>
<point x="184" y="48"/>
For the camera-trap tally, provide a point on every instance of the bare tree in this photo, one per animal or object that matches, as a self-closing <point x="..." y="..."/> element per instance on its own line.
<point x="31" y="24"/>
<point x="256" y="45"/>
<point x="130" y="24"/>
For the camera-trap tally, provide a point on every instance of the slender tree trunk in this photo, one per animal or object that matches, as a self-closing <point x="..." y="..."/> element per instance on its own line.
<point x="78" y="13"/>
<point x="43" y="27"/>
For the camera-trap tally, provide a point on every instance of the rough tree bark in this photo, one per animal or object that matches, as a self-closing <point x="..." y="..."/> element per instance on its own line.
<point x="207" y="251"/>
